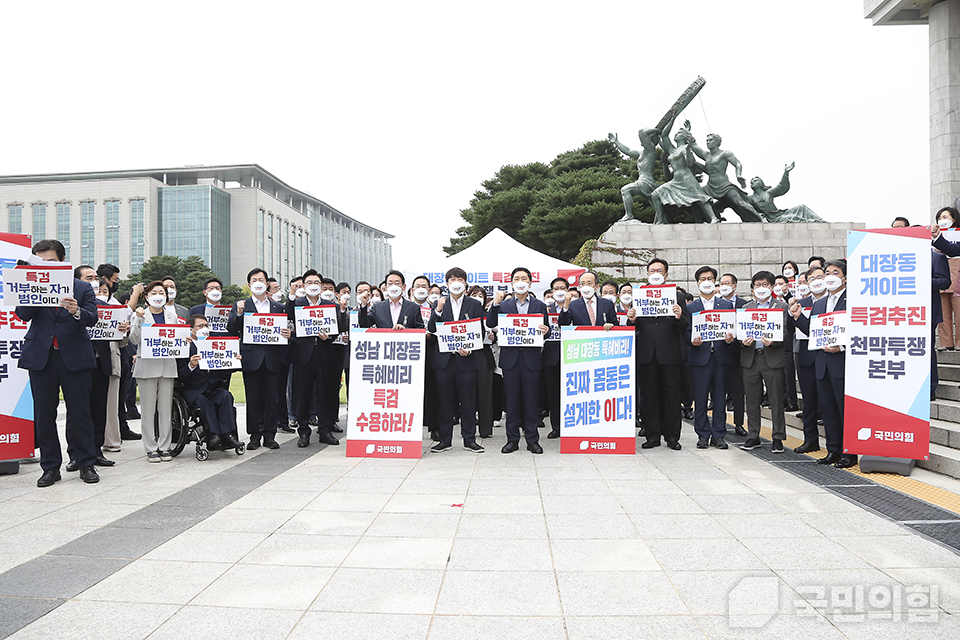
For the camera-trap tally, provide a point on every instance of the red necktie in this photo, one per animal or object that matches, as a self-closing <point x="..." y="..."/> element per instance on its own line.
<point x="593" y="315"/>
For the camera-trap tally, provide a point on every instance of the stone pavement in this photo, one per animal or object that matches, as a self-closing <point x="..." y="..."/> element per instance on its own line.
<point x="305" y="543"/>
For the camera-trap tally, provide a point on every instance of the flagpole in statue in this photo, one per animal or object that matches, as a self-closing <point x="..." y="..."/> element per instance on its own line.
<point x="682" y="102"/>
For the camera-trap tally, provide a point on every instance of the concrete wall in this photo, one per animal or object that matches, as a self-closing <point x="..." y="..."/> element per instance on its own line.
<point x="944" y="23"/>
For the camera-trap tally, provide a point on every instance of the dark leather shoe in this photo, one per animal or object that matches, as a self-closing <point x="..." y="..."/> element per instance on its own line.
<point x="720" y="443"/>
<point x="435" y="436"/>
<point x="642" y="433"/>
<point x="48" y="477"/>
<point x="303" y="441"/>
<point x="553" y="435"/>
<point x="674" y="444"/>
<point x="72" y="466"/>
<point x="688" y="413"/>
<point x="791" y="407"/>
<point x="89" y="475"/>
<point x="740" y="431"/>
<point x="703" y="443"/>
<point x="254" y="444"/>
<point x="286" y="428"/>
<point x="846" y="462"/>
<point x="127" y="434"/>
<point x="807" y="447"/>
<point x="534" y="447"/>
<point x="510" y="447"/>
<point x="830" y="458"/>
<point x="214" y="443"/>
<point x="328" y="438"/>
<point x="650" y="444"/>
<point x="103" y="462"/>
<point x="230" y="441"/>
<point x="336" y="429"/>
<point x="270" y="443"/>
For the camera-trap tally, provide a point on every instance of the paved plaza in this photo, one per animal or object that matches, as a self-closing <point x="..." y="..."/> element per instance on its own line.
<point x="306" y="543"/>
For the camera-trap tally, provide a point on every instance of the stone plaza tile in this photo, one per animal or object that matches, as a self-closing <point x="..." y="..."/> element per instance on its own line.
<point x="478" y="627"/>
<point x="899" y="552"/>
<point x="360" y="626"/>
<point x="255" y="586"/>
<point x="704" y="555"/>
<point x="600" y="504"/>
<point x="399" y="553"/>
<point x="568" y="474"/>
<point x="245" y="520"/>
<point x="713" y="486"/>
<point x="595" y="526"/>
<point x="16" y="511"/>
<point x="34" y="539"/>
<point x="275" y="499"/>
<point x="431" y="485"/>
<point x="827" y="590"/>
<point x="652" y="488"/>
<point x="365" y="485"/>
<point x="765" y="626"/>
<point x="798" y="553"/>
<point x="667" y="526"/>
<point x="415" y="525"/>
<point x="87" y="513"/>
<point x="302" y="550"/>
<point x="361" y="502"/>
<point x="854" y="523"/>
<point x="733" y="592"/>
<point x="492" y="526"/>
<point x="380" y="591"/>
<point x="655" y="627"/>
<point x="225" y="622"/>
<point x="110" y="620"/>
<point x="517" y="505"/>
<point x="424" y="503"/>
<point x="156" y="581"/>
<point x="205" y="546"/>
<point x="499" y="593"/>
<point x="946" y="580"/>
<point x="618" y="593"/>
<point x="766" y="525"/>
<point x="494" y="486"/>
<point x="20" y="612"/>
<point x="515" y="554"/>
<point x="644" y="504"/>
<point x="602" y="555"/>
<point x="736" y="504"/>
<point x="574" y="487"/>
<point x="814" y="503"/>
<point x="370" y="468"/>
<point x="329" y="523"/>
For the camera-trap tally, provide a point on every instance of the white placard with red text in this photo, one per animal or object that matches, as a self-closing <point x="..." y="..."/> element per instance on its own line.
<point x="42" y="285"/>
<point x="622" y="318"/>
<point x="760" y="323"/>
<point x="597" y="382"/>
<point x="108" y="324"/>
<point x="654" y="301"/>
<point x="554" y="335"/>
<point x="16" y="397"/>
<point x="219" y="353"/>
<point x="460" y="334"/>
<point x="217" y="317"/>
<point x="827" y="330"/>
<point x="316" y="321"/>
<point x="264" y="328"/>
<point x="519" y="330"/>
<point x="164" y="341"/>
<point x="714" y="325"/>
<point x="386" y="393"/>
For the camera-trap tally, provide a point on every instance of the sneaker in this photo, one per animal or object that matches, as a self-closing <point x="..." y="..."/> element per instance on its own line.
<point x="440" y="447"/>
<point x="153" y="456"/>
<point x="166" y="456"/>
<point x="720" y="443"/>
<point x="703" y="443"/>
<point x="111" y="449"/>
<point x="751" y="443"/>
<point x="473" y="446"/>
<point x="777" y="446"/>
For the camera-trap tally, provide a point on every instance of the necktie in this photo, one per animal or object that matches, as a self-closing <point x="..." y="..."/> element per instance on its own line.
<point x="593" y="314"/>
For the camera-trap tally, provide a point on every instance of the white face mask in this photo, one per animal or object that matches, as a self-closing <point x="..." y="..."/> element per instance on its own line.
<point x="171" y="294"/>
<point x="258" y="288"/>
<point x="833" y="282"/>
<point x="300" y="292"/>
<point x="944" y="223"/>
<point x="433" y="297"/>
<point x="587" y="292"/>
<point x="95" y="286"/>
<point x="521" y="286"/>
<point x="278" y="296"/>
<point x="214" y="295"/>
<point x="102" y="298"/>
<point x="626" y="299"/>
<point x="313" y="290"/>
<point x="456" y="287"/>
<point x="789" y="273"/>
<point x="203" y="333"/>
<point x="707" y="287"/>
<point x="725" y="290"/>
<point x="612" y="298"/>
<point x="778" y="290"/>
<point x="157" y="301"/>
<point x="328" y="295"/>
<point x="803" y="290"/>
<point x="655" y="279"/>
<point x="817" y="286"/>
<point x="762" y="293"/>
<point x="478" y="299"/>
<point x="394" y="292"/>
<point x="559" y="295"/>
<point x="345" y="298"/>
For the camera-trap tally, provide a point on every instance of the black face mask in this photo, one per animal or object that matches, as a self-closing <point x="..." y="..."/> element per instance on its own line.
<point x="114" y="287"/>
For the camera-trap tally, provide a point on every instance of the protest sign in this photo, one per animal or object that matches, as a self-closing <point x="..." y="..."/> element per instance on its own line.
<point x="519" y="330"/>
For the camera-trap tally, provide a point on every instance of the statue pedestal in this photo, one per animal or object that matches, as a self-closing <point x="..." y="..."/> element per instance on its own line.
<point x="742" y="249"/>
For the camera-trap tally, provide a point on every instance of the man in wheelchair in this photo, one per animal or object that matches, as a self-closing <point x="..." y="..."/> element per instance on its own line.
<point x="209" y="392"/>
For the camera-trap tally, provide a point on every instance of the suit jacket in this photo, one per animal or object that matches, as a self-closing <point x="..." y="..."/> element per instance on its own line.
<point x="831" y="364"/>
<point x="802" y="354"/>
<point x="197" y="382"/>
<point x="660" y="338"/>
<point x="301" y="350"/>
<point x="152" y="367"/>
<point x="379" y="316"/>
<point x="950" y="249"/>
<point x="257" y="355"/>
<point x="108" y="351"/>
<point x="700" y="355"/>
<point x="509" y="356"/>
<point x="182" y="312"/>
<point x="72" y="339"/>
<point x="551" y="350"/>
<point x="941" y="280"/>
<point x="577" y="314"/>
<point x="775" y="352"/>
<point x="469" y="308"/>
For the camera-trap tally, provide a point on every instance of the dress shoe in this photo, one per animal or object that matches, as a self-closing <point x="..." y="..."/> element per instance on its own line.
<point x="510" y="447"/>
<point x="846" y="462"/>
<point x="484" y="436"/>
<point x="314" y="421"/>
<point x="790" y="407"/>
<point x="642" y="433"/>
<point x="799" y="415"/>
<point x="72" y="466"/>
<point x="650" y="444"/>
<point x="710" y="406"/>
<point x="89" y="475"/>
<point x="440" y="447"/>
<point x="750" y="444"/>
<point x="286" y="428"/>
<point x="336" y="428"/>
<point x="254" y="444"/>
<point x="703" y="443"/>
<point x="48" y="477"/>
<point x="674" y="445"/>
<point x="303" y="441"/>
<point x="103" y="462"/>
<point x="133" y="415"/>
<point x="830" y="458"/>
<point x="553" y="435"/>
<point x="719" y="443"/>
<point x="270" y="443"/>
<point x="230" y="441"/>
<point x="329" y="438"/>
<point x="213" y="442"/>
<point x="777" y="446"/>
<point x="688" y="413"/>
<point x="126" y="434"/>
<point x="110" y="449"/>
<point x="729" y="407"/>
<point x="541" y="425"/>
<point x="807" y="447"/>
<point x="534" y="447"/>
<point x="473" y="446"/>
<point x="456" y="420"/>
<point x="740" y="431"/>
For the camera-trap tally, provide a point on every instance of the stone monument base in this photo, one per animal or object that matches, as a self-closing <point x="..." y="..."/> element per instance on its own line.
<point x="742" y="249"/>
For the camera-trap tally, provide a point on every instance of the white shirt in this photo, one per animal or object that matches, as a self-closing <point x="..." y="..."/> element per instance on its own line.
<point x="523" y="306"/>
<point x="707" y="303"/>
<point x="455" y="305"/>
<point x="262" y="307"/>
<point x="832" y="300"/>
<point x="395" y="308"/>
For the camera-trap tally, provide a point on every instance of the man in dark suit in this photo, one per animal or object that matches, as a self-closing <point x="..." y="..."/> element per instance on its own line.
<point x="708" y="362"/>
<point x="394" y="312"/>
<point x="261" y="363"/>
<point x="806" y="366"/>
<point x="314" y="363"/>
<point x="182" y="312"/>
<point x="589" y="310"/>
<point x="733" y="379"/>
<point x="208" y="391"/>
<point x="520" y="365"/>
<point x="658" y="345"/>
<point x="58" y="355"/>
<point x="830" y="364"/>
<point x="762" y="363"/>
<point x="456" y="373"/>
<point x="550" y="360"/>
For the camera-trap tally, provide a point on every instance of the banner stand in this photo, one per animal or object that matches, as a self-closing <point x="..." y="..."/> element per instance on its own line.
<point x="880" y="464"/>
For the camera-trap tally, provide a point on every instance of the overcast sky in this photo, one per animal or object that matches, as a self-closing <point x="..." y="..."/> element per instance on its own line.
<point x="395" y="112"/>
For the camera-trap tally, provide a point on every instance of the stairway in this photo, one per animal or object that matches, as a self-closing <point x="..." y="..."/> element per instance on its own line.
<point x="945" y="418"/>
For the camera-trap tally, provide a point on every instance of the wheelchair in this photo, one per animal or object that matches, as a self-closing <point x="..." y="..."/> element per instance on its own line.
<point x="190" y="425"/>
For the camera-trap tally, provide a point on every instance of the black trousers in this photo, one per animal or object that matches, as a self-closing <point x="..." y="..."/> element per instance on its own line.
<point x="315" y="380"/>
<point x="660" y="394"/>
<point x="260" y="386"/>
<point x="521" y="387"/>
<point x="734" y="380"/>
<point x="283" y="377"/>
<point x="552" y="373"/>
<point x="686" y="383"/>
<point x="217" y="408"/>
<point x="45" y="386"/>
<point x="789" y="377"/>
<point x="431" y="401"/>
<point x="99" y="386"/>
<point x="485" y="393"/>
<point x="831" y="406"/>
<point x="453" y="385"/>
<point x="811" y="402"/>
<point x="709" y="380"/>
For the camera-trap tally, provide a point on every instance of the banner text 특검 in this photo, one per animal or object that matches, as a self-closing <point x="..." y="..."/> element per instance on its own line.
<point x="43" y="285"/>
<point x="597" y="382"/>
<point x="16" y="397"/>
<point x="386" y="393"/>
<point x="264" y="328"/>
<point x="164" y="341"/>
<point x="460" y="334"/>
<point x="760" y="323"/>
<point x="217" y="317"/>
<point x="519" y="330"/>
<point x="827" y="330"/>
<point x="218" y="353"/>
<point x="652" y="301"/>
<point x="316" y="321"/>
<point x="714" y="325"/>
<point x="108" y="324"/>
<point x="554" y="335"/>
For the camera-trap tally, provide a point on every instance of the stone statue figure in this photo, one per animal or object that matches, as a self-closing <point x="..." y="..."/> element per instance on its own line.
<point x="645" y="184"/>
<point x="718" y="185"/>
<point x="762" y="199"/>
<point x="683" y="190"/>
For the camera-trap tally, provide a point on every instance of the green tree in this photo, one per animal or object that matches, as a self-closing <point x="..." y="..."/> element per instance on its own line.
<point x="190" y="274"/>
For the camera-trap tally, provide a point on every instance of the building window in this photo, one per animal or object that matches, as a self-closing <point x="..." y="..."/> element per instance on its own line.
<point x="113" y="231"/>
<point x="286" y="249"/>
<point x="15" y="218"/>
<point x="269" y="265"/>
<point x="136" y="235"/>
<point x="39" y="222"/>
<point x="261" y="246"/>
<point x="87" y="232"/>
<point x="63" y="226"/>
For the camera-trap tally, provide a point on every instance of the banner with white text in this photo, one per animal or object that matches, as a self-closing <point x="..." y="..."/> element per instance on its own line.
<point x="219" y="353"/>
<point x="460" y="334"/>
<point x="109" y="319"/>
<point x="164" y="341"/>
<point x="43" y="285"/>
<point x="264" y="328"/>
<point x="653" y="301"/>
<point x="16" y="398"/>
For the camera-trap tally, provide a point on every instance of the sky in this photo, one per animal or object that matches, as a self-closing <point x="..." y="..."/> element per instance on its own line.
<point x="395" y="113"/>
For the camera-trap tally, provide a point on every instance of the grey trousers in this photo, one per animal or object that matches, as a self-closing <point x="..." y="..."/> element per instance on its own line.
<point x="754" y="379"/>
<point x="156" y="397"/>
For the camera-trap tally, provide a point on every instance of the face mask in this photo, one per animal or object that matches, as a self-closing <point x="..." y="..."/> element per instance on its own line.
<point x="725" y="290"/>
<point x="95" y="286"/>
<point x="328" y="295"/>
<point x="258" y="288"/>
<point x="656" y="279"/>
<point x="762" y="293"/>
<point x="156" y="301"/>
<point x="394" y="292"/>
<point x="313" y="290"/>
<point x="300" y="292"/>
<point x="203" y="333"/>
<point x="433" y="297"/>
<point x="817" y="286"/>
<point x="707" y="287"/>
<point x="521" y="287"/>
<point x="612" y="298"/>
<point x="214" y="295"/>
<point x="420" y="294"/>
<point x="102" y="298"/>
<point x="833" y="282"/>
<point x="626" y="299"/>
<point x="587" y="292"/>
<point x="456" y="287"/>
<point x="171" y="294"/>
<point x="375" y="299"/>
<point x="789" y="273"/>
<point x="778" y="290"/>
<point x="559" y="295"/>
<point x="944" y="223"/>
<point x="803" y="290"/>
<point x="345" y="298"/>
<point x="278" y="296"/>
<point x="114" y="287"/>
<point x="478" y="299"/>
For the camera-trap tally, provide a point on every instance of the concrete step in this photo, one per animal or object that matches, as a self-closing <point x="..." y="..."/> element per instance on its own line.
<point x="948" y="391"/>
<point x="945" y="434"/>
<point x="942" y="460"/>
<point x="949" y="372"/>
<point x="948" y="357"/>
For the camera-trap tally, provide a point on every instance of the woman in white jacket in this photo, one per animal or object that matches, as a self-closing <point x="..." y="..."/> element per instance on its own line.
<point x="155" y="376"/>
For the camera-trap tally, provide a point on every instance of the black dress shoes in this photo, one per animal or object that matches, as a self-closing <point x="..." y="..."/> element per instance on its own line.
<point x="740" y="431"/>
<point x="328" y="438"/>
<point x="807" y="447"/>
<point x="534" y="447"/>
<point x="830" y="458"/>
<point x="846" y="462"/>
<point x="687" y="413"/>
<point x="103" y="462"/>
<point x="72" y="466"/>
<point x="703" y="443"/>
<point x="642" y="433"/>
<point x="230" y="441"/>
<point x="790" y="407"/>
<point x="510" y="447"/>
<point x="213" y="442"/>
<point x="89" y="475"/>
<point x="553" y="435"/>
<point x="674" y="444"/>
<point x="270" y="443"/>
<point x="336" y="428"/>
<point x="303" y="441"/>
<point x="650" y="444"/>
<point x="254" y="444"/>
<point x="286" y="428"/>
<point x="127" y="434"/>
<point x="48" y="478"/>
